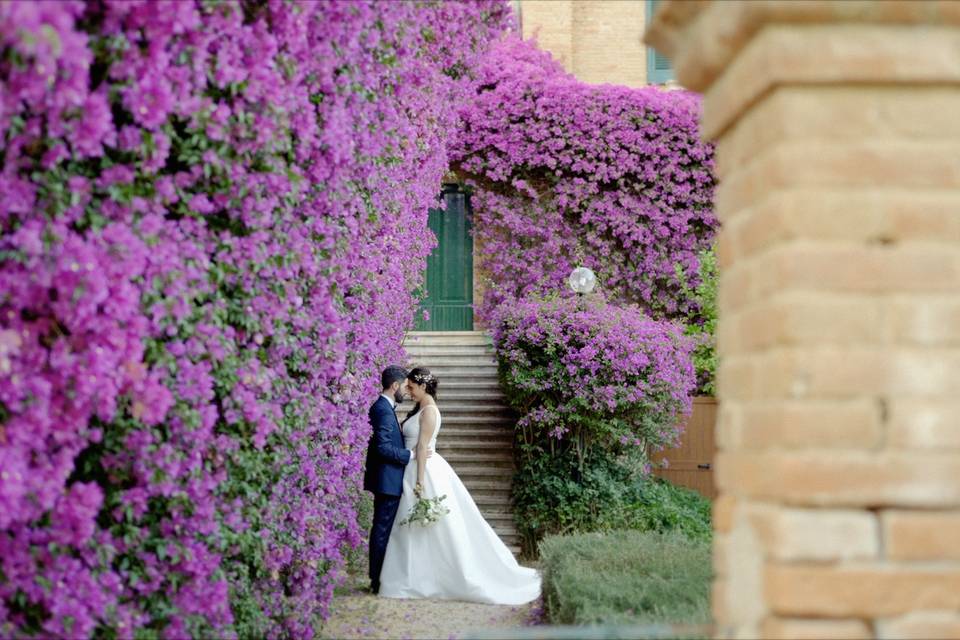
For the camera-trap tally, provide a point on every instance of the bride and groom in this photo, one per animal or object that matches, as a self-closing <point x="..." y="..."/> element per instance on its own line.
<point x="458" y="557"/>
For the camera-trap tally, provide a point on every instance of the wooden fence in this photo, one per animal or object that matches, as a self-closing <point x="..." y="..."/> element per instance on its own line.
<point x="691" y="464"/>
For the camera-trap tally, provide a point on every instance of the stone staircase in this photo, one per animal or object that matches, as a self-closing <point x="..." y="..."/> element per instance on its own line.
<point x="476" y="436"/>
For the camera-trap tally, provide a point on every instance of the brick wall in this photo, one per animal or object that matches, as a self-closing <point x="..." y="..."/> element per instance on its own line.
<point x="838" y="149"/>
<point x="599" y="41"/>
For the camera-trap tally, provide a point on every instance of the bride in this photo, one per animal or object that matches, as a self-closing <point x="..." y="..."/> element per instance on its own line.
<point x="459" y="557"/>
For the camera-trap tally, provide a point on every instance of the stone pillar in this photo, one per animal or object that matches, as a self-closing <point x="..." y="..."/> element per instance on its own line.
<point x="837" y="127"/>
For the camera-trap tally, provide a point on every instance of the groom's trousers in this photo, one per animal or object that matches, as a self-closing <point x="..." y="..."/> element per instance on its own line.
<point x="384" y="513"/>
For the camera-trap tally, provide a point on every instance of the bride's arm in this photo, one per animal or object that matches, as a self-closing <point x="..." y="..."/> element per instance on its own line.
<point x="428" y="424"/>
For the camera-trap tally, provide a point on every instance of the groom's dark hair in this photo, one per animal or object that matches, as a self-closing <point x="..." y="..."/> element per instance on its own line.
<point x="392" y="374"/>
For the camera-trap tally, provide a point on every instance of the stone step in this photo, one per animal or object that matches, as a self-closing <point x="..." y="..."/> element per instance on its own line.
<point x="486" y="484"/>
<point x="486" y="471"/>
<point x="500" y="520"/>
<point x="475" y="445"/>
<point x="467" y="393"/>
<point x="457" y="440"/>
<point x="429" y="351"/>
<point x="469" y="382"/>
<point x="507" y="536"/>
<point x="492" y="431"/>
<point x="495" y="494"/>
<point x="457" y="456"/>
<point x="478" y="421"/>
<point x="450" y="408"/>
<point x="454" y="338"/>
<point x="437" y="363"/>
<point x="470" y="366"/>
<point x="461" y="457"/>
<point x="486" y="451"/>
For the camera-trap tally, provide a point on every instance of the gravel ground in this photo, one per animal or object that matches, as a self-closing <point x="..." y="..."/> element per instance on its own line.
<point x="359" y="614"/>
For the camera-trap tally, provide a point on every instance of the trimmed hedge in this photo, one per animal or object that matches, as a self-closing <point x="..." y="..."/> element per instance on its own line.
<point x="625" y="578"/>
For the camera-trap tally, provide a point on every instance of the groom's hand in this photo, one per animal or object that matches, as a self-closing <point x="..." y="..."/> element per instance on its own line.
<point x="413" y="454"/>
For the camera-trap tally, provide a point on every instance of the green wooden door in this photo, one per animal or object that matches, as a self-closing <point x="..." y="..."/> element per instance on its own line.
<point x="449" y="281"/>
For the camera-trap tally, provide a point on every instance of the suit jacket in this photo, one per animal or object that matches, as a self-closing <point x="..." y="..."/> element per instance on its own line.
<point x="386" y="456"/>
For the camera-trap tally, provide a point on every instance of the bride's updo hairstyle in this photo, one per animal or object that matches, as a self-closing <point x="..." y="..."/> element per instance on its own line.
<point x="422" y="375"/>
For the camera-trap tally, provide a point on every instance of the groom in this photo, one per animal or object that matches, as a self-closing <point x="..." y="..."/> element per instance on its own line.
<point x="386" y="460"/>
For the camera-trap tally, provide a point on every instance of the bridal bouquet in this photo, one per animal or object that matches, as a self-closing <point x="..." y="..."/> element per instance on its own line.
<point x="426" y="511"/>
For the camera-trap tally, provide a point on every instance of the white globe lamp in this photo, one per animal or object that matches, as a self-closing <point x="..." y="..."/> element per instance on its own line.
<point x="582" y="280"/>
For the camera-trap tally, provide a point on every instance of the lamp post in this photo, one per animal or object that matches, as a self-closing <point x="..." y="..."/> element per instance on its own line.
<point x="582" y="280"/>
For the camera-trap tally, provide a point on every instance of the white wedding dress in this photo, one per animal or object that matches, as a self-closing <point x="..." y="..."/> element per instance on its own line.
<point x="458" y="557"/>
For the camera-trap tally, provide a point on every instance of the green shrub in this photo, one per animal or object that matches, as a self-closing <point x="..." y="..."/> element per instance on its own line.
<point x="595" y="385"/>
<point x="701" y="326"/>
<point x="551" y="498"/>
<point x="665" y="507"/>
<point x="626" y="577"/>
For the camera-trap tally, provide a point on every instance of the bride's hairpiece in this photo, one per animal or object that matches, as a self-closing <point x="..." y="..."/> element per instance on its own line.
<point x="424" y="378"/>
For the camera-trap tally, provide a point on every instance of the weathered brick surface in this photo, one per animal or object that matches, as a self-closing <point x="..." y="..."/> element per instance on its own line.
<point x="859" y="591"/>
<point x="802" y="425"/>
<point x="930" y="625"/>
<point x="843" y="478"/>
<point x="838" y="149"/>
<point x="922" y="536"/>
<point x="804" y="629"/>
<point x="816" y="534"/>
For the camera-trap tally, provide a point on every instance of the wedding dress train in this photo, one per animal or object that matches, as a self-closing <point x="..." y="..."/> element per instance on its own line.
<point x="459" y="557"/>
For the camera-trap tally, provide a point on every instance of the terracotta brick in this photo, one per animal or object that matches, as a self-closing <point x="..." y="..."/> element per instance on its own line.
<point x="837" y="146"/>
<point x="840" y="268"/>
<point x="816" y="534"/>
<point x="922" y="535"/>
<point x="801" y="318"/>
<point x="840" y="113"/>
<point x="923" y="423"/>
<point x="720" y="555"/>
<point x="704" y="38"/>
<point x="929" y="625"/>
<point x="826" y="166"/>
<point x="782" y="55"/>
<point x="851" y="424"/>
<point x="738" y="378"/>
<point x="856" y="268"/>
<point x="842" y="478"/>
<point x="926" y="320"/>
<point x="722" y="513"/>
<point x="806" y="629"/>
<point x="865" y="591"/>
<point x="860" y="216"/>
<point x="718" y="601"/>
<point x="826" y="373"/>
<point x="735" y="289"/>
<point x="744" y="593"/>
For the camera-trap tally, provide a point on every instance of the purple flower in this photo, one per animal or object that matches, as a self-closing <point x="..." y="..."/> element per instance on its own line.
<point x="150" y="101"/>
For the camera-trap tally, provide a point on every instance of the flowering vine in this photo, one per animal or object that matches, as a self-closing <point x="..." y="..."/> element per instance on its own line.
<point x="566" y="173"/>
<point x="211" y="219"/>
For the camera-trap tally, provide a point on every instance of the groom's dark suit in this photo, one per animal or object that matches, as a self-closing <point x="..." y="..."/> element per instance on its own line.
<point x="386" y="460"/>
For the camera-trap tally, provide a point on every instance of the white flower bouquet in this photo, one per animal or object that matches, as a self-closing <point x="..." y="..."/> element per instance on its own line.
<point x="426" y="511"/>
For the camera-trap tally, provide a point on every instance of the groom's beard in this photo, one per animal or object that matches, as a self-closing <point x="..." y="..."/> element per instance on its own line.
<point x="398" y="396"/>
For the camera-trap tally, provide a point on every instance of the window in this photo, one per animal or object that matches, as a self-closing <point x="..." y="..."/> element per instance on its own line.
<point x="659" y="69"/>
